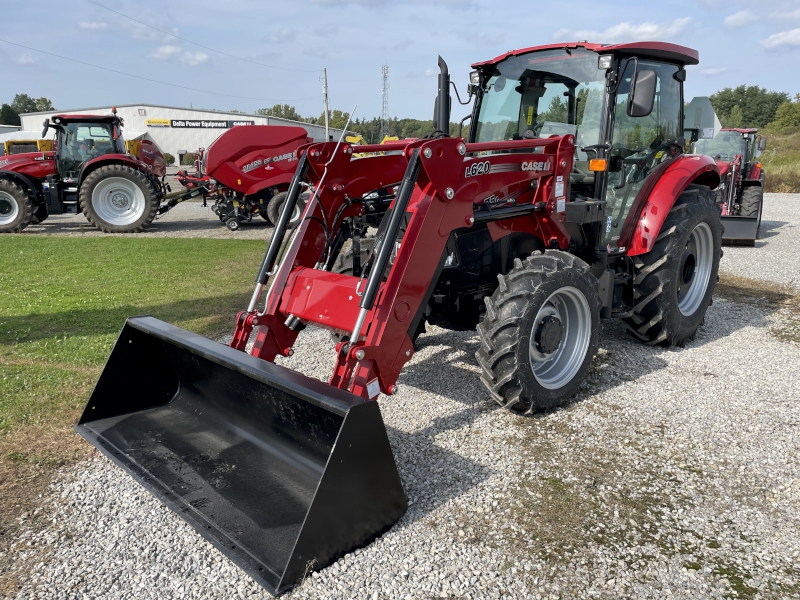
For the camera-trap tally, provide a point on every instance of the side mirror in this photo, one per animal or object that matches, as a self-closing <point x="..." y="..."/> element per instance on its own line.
<point x="46" y="127"/>
<point x="762" y="144"/>
<point x="643" y="95"/>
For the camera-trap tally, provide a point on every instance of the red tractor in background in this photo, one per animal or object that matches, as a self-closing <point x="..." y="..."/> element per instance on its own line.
<point x="89" y="170"/>
<point x="247" y="171"/>
<point x="569" y="201"/>
<point x="740" y="194"/>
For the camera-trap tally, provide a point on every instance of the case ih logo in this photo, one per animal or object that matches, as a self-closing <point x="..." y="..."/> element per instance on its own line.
<point x="536" y="166"/>
<point x="3" y="163"/>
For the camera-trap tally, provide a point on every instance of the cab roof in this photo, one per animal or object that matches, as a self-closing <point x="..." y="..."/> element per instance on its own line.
<point x="740" y="130"/>
<point x="660" y="50"/>
<point x="84" y="118"/>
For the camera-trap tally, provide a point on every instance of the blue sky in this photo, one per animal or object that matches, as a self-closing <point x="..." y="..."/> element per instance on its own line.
<point x="739" y="42"/>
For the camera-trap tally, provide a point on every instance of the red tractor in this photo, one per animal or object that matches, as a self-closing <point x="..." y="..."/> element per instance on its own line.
<point x="740" y="194"/>
<point x="89" y="170"/>
<point x="567" y="203"/>
<point x="247" y="170"/>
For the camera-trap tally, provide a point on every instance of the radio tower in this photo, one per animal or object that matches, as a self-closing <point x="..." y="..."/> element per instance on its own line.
<point x="385" y="95"/>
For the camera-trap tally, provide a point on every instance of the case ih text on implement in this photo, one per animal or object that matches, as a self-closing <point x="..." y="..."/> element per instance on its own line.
<point x="89" y="170"/>
<point x="560" y="208"/>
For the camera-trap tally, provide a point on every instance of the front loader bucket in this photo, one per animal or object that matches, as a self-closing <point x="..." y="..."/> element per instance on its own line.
<point x="281" y="472"/>
<point x="739" y="230"/>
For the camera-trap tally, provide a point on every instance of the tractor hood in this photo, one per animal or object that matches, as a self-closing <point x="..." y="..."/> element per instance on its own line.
<point x="37" y="165"/>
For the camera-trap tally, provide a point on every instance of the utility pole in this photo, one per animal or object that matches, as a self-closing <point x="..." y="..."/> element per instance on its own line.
<point x="325" y="99"/>
<point x="385" y="95"/>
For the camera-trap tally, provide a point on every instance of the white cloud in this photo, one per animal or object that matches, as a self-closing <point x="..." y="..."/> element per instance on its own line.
<point x="93" y="26"/>
<point x="795" y="14"/>
<point x="327" y="31"/>
<point x="281" y="36"/>
<point x="27" y="59"/>
<point x="176" y="52"/>
<point x="712" y="72"/>
<point x="740" y="19"/>
<point x="140" y="31"/>
<point x="430" y="72"/>
<point x="627" y="32"/>
<point x="784" y="38"/>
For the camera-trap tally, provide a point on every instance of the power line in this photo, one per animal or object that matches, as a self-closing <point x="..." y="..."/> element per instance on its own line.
<point x="201" y="45"/>
<point x="183" y="87"/>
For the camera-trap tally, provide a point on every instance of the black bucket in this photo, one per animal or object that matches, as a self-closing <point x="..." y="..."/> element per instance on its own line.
<point x="739" y="230"/>
<point x="281" y="472"/>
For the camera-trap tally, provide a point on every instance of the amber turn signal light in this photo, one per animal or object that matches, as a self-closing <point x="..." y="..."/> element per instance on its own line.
<point x="598" y="164"/>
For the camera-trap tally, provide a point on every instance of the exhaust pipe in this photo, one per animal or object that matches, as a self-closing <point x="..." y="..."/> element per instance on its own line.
<point x="441" y="117"/>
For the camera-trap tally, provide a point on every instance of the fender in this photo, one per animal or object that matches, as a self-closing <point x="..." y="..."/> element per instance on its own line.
<point x="33" y="186"/>
<point x="654" y="201"/>
<point x="110" y="159"/>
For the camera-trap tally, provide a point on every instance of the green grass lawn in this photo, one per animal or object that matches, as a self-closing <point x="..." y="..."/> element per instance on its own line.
<point x="64" y="300"/>
<point x="781" y="162"/>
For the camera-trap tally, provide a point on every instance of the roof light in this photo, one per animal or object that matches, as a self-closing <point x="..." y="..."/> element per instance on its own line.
<point x="598" y="164"/>
<point x="604" y="62"/>
<point x="475" y="77"/>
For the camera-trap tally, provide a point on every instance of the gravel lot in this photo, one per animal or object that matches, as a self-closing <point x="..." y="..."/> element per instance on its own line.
<point x="674" y="474"/>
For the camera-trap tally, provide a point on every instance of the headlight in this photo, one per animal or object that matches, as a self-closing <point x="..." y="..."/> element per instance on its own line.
<point x="475" y="77"/>
<point x="604" y="62"/>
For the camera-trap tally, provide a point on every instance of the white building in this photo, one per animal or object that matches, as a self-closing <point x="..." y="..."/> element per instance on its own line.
<point x="177" y="130"/>
<point x="9" y="128"/>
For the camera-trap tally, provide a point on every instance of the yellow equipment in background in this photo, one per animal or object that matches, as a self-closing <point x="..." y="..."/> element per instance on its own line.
<point x="358" y="140"/>
<point x="23" y="146"/>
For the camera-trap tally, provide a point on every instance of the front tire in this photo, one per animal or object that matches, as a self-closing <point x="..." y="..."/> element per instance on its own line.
<point x="276" y="204"/>
<point x="751" y="204"/>
<point x="674" y="282"/>
<point x="16" y="207"/>
<point x="540" y="333"/>
<point x="119" y="199"/>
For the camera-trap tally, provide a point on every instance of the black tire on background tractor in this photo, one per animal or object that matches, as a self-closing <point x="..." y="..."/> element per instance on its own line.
<point x="119" y="199"/>
<point x="751" y="204"/>
<point x="674" y="282"/>
<point x="540" y="333"/>
<point x="16" y="207"/>
<point x="276" y="204"/>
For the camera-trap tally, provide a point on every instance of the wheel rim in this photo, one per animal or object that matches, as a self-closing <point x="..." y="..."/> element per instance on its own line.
<point x="694" y="271"/>
<point x="560" y="337"/>
<point x="9" y="208"/>
<point x="118" y="201"/>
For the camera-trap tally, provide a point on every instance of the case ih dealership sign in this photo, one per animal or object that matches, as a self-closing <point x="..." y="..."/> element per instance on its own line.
<point x="192" y="124"/>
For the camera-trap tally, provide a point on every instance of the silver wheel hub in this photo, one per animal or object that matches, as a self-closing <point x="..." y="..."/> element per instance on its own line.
<point x="9" y="208"/>
<point x="694" y="269"/>
<point x="559" y="338"/>
<point x="118" y="201"/>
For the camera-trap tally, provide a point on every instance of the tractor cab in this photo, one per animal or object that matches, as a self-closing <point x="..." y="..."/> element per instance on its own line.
<point x="622" y="103"/>
<point x="81" y="138"/>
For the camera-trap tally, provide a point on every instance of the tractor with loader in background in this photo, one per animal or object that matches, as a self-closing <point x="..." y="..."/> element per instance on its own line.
<point x="564" y="205"/>
<point x="740" y="194"/>
<point x="119" y="187"/>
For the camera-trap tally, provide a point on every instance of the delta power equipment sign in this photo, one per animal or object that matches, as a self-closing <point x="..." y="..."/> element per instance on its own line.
<point x="194" y="124"/>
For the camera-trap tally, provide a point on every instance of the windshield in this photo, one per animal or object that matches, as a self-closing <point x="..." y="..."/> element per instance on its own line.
<point x="79" y="142"/>
<point x="542" y="94"/>
<point x="725" y="145"/>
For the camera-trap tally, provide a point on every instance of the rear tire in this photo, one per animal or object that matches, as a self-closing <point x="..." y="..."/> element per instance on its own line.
<point x="674" y="282"/>
<point x="16" y="207"/>
<point x="540" y="333"/>
<point x="751" y="204"/>
<point x="276" y="204"/>
<point x="119" y="199"/>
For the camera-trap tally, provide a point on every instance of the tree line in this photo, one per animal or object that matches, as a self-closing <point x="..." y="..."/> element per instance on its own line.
<point x="22" y="103"/>
<point x="753" y="106"/>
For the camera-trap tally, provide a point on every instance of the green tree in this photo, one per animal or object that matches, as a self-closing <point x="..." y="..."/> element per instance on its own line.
<point x="8" y="116"/>
<point x="22" y="103"/>
<point x="169" y="159"/>
<point x="43" y="104"/>
<point x="735" y="118"/>
<point x="283" y="111"/>
<point x="758" y="105"/>
<point x="188" y="159"/>
<point x="788" y="113"/>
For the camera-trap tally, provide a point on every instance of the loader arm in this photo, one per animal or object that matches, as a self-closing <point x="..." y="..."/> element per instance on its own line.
<point x="448" y="180"/>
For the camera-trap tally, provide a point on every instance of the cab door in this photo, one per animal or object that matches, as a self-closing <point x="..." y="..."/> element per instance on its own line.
<point x="640" y="145"/>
